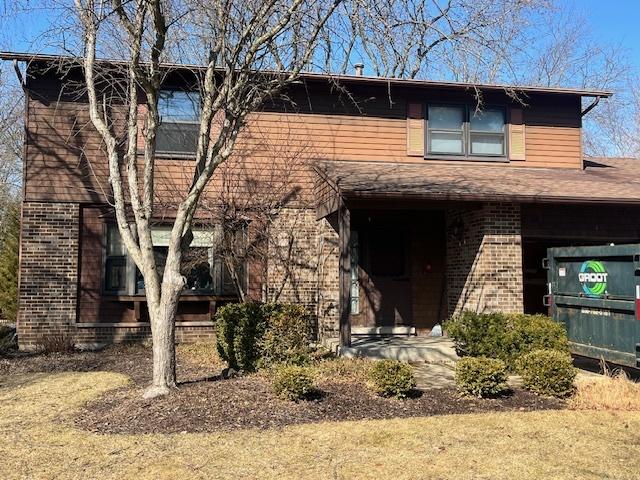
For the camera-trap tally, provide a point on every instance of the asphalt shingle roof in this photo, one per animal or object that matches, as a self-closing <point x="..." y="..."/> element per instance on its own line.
<point x="603" y="180"/>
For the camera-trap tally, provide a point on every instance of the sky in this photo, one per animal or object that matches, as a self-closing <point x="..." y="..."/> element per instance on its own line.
<point x="616" y="21"/>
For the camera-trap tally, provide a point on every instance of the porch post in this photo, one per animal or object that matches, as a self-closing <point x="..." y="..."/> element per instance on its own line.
<point x="344" y="233"/>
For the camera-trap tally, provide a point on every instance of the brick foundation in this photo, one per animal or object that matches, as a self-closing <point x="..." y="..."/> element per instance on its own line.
<point x="484" y="258"/>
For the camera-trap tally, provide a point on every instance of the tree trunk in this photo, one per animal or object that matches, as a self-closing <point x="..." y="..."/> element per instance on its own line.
<point x="163" y="333"/>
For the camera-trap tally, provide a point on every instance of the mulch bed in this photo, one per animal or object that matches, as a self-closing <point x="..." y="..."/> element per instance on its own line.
<point x="205" y="403"/>
<point x="247" y="402"/>
<point x="132" y="360"/>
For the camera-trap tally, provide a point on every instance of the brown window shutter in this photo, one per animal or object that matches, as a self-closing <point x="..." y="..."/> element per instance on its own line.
<point x="142" y="122"/>
<point x="415" y="130"/>
<point x="517" y="137"/>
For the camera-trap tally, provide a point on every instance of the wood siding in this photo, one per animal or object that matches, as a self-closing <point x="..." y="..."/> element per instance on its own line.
<point x="65" y="159"/>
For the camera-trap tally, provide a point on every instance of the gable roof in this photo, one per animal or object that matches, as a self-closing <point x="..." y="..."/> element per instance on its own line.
<point x="356" y="79"/>
<point x="603" y="180"/>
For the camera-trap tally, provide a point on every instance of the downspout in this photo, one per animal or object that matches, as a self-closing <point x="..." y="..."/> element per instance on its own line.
<point x="591" y="106"/>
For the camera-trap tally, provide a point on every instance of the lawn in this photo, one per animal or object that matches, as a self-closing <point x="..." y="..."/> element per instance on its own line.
<point x="40" y="439"/>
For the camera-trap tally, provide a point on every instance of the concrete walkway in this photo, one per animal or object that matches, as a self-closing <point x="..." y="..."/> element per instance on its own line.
<point x="430" y="376"/>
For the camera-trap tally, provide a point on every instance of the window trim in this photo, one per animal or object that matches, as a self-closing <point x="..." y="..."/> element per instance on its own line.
<point x="466" y="139"/>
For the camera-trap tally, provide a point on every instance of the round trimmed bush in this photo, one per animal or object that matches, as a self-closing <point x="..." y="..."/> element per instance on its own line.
<point x="293" y="382"/>
<point x="481" y="376"/>
<point x="547" y="372"/>
<point x="391" y="378"/>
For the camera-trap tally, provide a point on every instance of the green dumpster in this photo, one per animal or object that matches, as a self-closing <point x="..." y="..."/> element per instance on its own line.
<point x="595" y="292"/>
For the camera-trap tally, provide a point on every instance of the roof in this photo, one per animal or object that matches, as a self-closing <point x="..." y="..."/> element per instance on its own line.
<point x="30" y="57"/>
<point x="604" y="180"/>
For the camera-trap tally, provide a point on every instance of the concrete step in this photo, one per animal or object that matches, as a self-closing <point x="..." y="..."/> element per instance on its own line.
<point x="406" y="349"/>
<point x="383" y="331"/>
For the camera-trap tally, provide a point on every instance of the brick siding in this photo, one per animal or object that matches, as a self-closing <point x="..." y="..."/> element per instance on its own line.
<point x="47" y="291"/>
<point x="303" y="266"/>
<point x="48" y="287"/>
<point x="484" y="258"/>
<point x="483" y="251"/>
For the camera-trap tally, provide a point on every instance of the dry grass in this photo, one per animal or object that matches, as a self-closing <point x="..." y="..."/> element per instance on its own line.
<point x="38" y="441"/>
<point x="613" y="391"/>
<point x="342" y="369"/>
<point x="202" y="354"/>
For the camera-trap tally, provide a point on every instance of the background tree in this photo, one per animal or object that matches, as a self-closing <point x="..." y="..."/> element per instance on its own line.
<point x="9" y="245"/>
<point x="252" y="51"/>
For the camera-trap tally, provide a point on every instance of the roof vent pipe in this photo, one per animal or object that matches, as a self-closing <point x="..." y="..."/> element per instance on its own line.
<point x="359" y="69"/>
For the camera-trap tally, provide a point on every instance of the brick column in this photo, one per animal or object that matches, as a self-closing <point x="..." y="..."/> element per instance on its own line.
<point x="47" y="290"/>
<point x="484" y="258"/>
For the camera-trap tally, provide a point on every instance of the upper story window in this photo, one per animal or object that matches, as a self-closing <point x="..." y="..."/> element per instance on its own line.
<point x="179" y="122"/>
<point x="446" y="130"/>
<point x="461" y="131"/>
<point x="486" y="132"/>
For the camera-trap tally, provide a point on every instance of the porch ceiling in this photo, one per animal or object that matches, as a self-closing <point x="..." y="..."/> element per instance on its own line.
<point x="604" y="180"/>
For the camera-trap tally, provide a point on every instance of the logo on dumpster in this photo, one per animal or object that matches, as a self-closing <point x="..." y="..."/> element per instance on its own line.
<point x="593" y="278"/>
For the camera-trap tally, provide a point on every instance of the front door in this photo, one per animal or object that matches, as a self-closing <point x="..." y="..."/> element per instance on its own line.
<point x="388" y="286"/>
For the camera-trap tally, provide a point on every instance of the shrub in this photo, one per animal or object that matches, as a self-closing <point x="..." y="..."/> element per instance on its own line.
<point x="286" y="339"/>
<point x="293" y="382"/>
<point x="481" y="376"/>
<point x="547" y="372"/>
<point x="239" y="331"/>
<point x="56" y="342"/>
<point x="7" y="338"/>
<point x="391" y="378"/>
<point x="504" y="336"/>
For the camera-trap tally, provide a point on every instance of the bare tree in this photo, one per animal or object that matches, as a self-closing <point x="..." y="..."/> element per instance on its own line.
<point x="240" y="38"/>
<point x="250" y="51"/>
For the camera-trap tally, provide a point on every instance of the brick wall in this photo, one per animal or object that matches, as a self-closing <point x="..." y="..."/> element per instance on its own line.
<point x="48" y="288"/>
<point x="303" y="266"/>
<point x="484" y="258"/>
<point x="47" y="292"/>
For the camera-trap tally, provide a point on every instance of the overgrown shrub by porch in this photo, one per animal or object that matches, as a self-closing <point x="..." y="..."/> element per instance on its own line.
<point x="253" y="335"/>
<point x="505" y="336"/>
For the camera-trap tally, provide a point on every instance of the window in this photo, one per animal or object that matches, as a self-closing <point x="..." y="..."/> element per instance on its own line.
<point x="179" y="122"/>
<point x="486" y="132"/>
<point x="204" y="271"/>
<point x="355" y="284"/>
<point x="446" y="130"/>
<point x="462" y="131"/>
<point x="115" y="279"/>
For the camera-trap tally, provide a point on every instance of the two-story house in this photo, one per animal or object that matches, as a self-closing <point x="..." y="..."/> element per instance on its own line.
<point x="413" y="201"/>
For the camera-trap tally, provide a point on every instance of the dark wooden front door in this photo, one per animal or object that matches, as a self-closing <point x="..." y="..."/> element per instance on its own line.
<point x="389" y="279"/>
